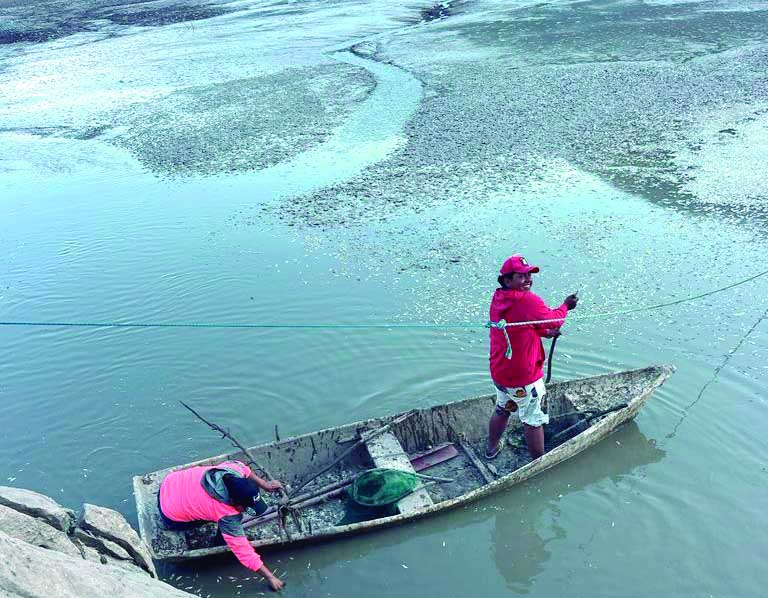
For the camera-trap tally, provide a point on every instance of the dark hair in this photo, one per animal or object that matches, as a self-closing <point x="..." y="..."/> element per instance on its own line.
<point x="242" y="491"/>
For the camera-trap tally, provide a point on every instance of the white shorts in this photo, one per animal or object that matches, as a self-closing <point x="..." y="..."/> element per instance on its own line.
<point x="525" y="400"/>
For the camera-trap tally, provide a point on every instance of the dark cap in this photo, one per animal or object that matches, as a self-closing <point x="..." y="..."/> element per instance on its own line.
<point x="243" y="492"/>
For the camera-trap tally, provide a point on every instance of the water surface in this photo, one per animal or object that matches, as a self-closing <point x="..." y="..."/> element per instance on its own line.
<point x="223" y="163"/>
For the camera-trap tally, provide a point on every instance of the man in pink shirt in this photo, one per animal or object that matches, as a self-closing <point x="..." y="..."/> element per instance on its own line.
<point x="219" y="493"/>
<point x="517" y="354"/>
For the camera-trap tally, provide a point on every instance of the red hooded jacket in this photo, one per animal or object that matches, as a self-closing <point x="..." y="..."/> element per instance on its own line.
<point x="527" y="360"/>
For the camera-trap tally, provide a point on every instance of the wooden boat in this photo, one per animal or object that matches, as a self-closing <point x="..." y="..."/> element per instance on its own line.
<point x="582" y="412"/>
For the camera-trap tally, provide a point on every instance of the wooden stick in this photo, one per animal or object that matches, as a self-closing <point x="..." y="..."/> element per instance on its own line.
<point x="251" y="459"/>
<point x="571" y="413"/>
<point x="487" y="475"/>
<point x="363" y="438"/>
<point x="294" y="513"/>
<point x="226" y="434"/>
<point x="562" y="433"/>
<point x="327" y="490"/>
<point x="589" y="412"/>
<point x="588" y="419"/>
<point x="434" y="478"/>
<point x="299" y="500"/>
<point x="323" y="489"/>
<point x="271" y="512"/>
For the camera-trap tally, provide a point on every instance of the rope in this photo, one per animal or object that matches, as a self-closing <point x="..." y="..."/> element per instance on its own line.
<point x="245" y="326"/>
<point x="716" y="373"/>
<point x="370" y="326"/>
<point x="503" y="324"/>
<point x="678" y="301"/>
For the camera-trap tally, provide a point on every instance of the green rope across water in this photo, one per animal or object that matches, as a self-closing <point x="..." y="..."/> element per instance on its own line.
<point x="384" y="326"/>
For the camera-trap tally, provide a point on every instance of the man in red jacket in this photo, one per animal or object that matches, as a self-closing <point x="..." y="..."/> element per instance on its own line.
<point x="517" y="357"/>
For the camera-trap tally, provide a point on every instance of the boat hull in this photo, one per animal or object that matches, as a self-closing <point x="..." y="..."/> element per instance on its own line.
<point x="463" y="422"/>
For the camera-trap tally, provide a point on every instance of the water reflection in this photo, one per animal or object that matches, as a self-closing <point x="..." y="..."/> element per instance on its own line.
<point x="524" y="530"/>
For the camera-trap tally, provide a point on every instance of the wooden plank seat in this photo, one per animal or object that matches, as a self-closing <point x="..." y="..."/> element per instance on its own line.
<point x="387" y="452"/>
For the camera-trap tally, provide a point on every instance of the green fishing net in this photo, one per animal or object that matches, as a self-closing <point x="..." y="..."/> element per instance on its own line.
<point x="379" y="487"/>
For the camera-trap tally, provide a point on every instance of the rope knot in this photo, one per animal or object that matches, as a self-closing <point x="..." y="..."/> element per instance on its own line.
<point x="502" y="325"/>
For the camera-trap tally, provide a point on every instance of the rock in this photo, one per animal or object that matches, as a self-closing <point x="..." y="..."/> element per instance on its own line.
<point x="102" y="545"/>
<point x="35" y="531"/>
<point x="34" y="572"/>
<point x="94" y="556"/>
<point x="112" y="525"/>
<point x="37" y="505"/>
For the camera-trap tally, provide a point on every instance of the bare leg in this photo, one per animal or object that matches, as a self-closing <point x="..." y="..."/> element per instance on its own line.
<point x="534" y="440"/>
<point x="496" y="428"/>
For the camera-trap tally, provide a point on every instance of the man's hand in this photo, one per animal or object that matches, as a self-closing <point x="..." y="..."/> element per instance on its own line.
<point x="571" y="301"/>
<point x="552" y="333"/>
<point x="275" y="583"/>
<point x="269" y="486"/>
<point x="272" y="486"/>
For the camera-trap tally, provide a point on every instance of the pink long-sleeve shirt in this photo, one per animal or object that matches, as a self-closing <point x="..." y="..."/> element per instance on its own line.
<point x="527" y="360"/>
<point x="183" y="498"/>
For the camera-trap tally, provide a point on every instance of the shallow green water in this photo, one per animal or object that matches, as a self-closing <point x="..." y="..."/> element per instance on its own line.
<point x="403" y="214"/>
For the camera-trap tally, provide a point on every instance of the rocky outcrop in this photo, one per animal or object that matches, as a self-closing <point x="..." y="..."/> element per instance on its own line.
<point x="109" y="524"/>
<point x="37" y="505"/>
<point x="101" y="545"/>
<point x="46" y="551"/>
<point x="35" y="531"/>
<point x="33" y="572"/>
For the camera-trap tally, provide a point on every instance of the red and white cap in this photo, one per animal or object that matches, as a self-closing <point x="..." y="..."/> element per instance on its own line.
<point x="517" y="263"/>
